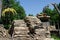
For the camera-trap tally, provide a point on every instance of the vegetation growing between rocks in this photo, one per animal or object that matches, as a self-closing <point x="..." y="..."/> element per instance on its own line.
<point x="55" y="37"/>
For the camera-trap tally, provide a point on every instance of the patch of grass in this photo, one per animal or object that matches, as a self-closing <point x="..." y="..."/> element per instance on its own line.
<point x="55" y="37"/>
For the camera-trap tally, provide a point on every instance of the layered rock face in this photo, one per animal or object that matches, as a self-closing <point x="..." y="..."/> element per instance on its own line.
<point x="45" y="22"/>
<point x="21" y="29"/>
<point x="4" y="35"/>
<point x="3" y="32"/>
<point x="33" y="21"/>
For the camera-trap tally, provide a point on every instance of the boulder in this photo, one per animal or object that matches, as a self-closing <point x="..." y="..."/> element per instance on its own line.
<point x="3" y="32"/>
<point x="20" y="28"/>
<point x="19" y="23"/>
<point x="32" y="21"/>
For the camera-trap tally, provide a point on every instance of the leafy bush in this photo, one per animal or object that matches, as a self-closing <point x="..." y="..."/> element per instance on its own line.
<point x="55" y="37"/>
<point x="8" y="15"/>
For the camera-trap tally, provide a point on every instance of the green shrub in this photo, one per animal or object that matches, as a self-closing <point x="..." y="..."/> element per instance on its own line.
<point x="55" y="37"/>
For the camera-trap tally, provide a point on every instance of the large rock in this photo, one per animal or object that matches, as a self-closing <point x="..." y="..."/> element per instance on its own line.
<point x="33" y="21"/>
<point x="19" y="23"/>
<point x="18" y="31"/>
<point x="3" y="32"/>
<point x="40" y="29"/>
<point x="20" y="28"/>
<point x="52" y="28"/>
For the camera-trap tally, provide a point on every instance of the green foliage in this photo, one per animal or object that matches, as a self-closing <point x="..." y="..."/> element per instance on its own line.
<point x="55" y="15"/>
<point x="6" y="26"/>
<point x="20" y="10"/>
<point x="59" y="6"/>
<point x="7" y="20"/>
<point x="55" y="37"/>
<point x="15" y="4"/>
<point x="41" y="13"/>
<point x="30" y="15"/>
<point x="52" y="13"/>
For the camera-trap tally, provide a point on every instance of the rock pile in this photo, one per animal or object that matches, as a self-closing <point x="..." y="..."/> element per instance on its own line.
<point x="3" y="32"/>
<point x="4" y="35"/>
<point x="33" y="21"/>
<point x="22" y="30"/>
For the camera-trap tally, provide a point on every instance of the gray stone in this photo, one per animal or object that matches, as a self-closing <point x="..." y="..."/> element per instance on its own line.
<point x="19" y="23"/>
<point x="3" y="32"/>
<point x="21" y="30"/>
<point x="33" y="21"/>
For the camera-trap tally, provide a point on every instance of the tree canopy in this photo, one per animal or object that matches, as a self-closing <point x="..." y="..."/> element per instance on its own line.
<point x="16" y="5"/>
<point x="52" y="13"/>
<point x="11" y="10"/>
<point x="30" y="15"/>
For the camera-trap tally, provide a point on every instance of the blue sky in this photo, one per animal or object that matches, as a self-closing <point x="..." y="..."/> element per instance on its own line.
<point x="36" y="6"/>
